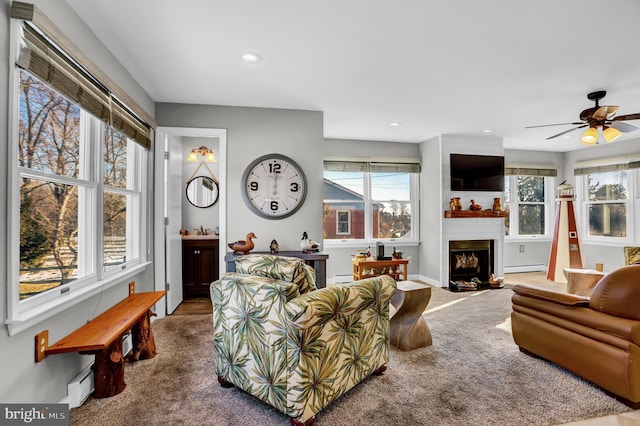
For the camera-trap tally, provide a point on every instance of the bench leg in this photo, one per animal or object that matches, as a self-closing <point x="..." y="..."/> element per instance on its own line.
<point x="144" y="345"/>
<point x="108" y="371"/>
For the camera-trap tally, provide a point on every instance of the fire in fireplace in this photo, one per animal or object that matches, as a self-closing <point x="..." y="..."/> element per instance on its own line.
<point x="470" y="261"/>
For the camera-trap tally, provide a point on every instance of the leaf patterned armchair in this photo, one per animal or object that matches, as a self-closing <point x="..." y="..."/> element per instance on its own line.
<point x="295" y="347"/>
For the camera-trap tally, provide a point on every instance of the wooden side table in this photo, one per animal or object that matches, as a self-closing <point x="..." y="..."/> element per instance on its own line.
<point x="408" y="328"/>
<point x="366" y="268"/>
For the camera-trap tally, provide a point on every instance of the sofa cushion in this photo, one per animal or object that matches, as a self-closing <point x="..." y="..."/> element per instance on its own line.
<point x="283" y="268"/>
<point x="618" y="293"/>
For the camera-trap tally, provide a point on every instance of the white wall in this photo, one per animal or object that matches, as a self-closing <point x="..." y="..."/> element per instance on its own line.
<point x="534" y="253"/>
<point x="22" y="379"/>
<point x="611" y="255"/>
<point x="340" y="258"/>
<point x="193" y="217"/>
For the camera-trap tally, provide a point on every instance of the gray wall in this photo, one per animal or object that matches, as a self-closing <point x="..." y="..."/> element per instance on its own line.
<point x="251" y="133"/>
<point x="22" y="379"/>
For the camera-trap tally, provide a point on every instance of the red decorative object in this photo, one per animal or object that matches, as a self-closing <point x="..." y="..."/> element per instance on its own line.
<point x="475" y="206"/>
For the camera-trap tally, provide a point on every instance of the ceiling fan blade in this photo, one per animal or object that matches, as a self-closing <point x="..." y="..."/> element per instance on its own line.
<point x="623" y="127"/>
<point x="635" y="116"/>
<point x="559" y="124"/>
<point x="567" y="131"/>
<point x="605" y="112"/>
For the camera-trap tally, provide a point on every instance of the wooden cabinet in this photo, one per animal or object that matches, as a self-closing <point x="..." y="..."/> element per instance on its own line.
<point x="199" y="266"/>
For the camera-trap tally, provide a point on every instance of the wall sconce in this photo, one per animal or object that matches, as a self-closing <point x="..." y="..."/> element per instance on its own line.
<point x="203" y="151"/>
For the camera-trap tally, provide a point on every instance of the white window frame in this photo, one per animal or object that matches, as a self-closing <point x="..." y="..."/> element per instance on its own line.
<point x="514" y="210"/>
<point x="414" y="193"/>
<point x="22" y="315"/>
<point x="632" y="205"/>
<point x="348" y="232"/>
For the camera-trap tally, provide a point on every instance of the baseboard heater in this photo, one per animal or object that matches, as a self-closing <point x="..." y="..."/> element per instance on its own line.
<point x="342" y="278"/>
<point x="79" y="389"/>
<point x="525" y="268"/>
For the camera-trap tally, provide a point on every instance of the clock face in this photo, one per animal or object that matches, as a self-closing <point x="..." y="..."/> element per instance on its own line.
<point x="274" y="186"/>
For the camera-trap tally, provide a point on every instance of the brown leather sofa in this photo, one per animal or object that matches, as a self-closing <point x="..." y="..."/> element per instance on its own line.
<point x="597" y="337"/>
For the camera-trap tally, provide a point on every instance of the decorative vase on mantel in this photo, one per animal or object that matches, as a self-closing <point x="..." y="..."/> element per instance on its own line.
<point x="455" y="204"/>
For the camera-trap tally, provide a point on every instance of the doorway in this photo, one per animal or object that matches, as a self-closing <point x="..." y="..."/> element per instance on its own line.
<point x="168" y="187"/>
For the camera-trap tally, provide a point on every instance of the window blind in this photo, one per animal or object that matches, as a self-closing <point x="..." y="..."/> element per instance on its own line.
<point x="530" y="171"/>
<point x="41" y="55"/>
<point x="371" y="166"/>
<point x="603" y="169"/>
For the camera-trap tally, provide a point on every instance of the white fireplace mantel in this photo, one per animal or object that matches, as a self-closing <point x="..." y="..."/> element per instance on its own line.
<point x="460" y="229"/>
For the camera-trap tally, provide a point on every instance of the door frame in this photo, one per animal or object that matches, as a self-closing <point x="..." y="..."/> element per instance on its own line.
<point x="159" y="190"/>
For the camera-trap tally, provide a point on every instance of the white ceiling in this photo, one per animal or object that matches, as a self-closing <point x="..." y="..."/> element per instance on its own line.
<point x="455" y="66"/>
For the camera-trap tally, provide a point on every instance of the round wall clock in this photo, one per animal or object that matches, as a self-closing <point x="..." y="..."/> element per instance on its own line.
<point x="274" y="186"/>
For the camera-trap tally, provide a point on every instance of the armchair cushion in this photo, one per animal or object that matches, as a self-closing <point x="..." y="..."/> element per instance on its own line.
<point x="283" y="268"/>
<point x="618" y="293"/>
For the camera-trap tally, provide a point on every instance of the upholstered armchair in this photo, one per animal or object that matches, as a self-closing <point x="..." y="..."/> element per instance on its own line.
<point x="596" y="337"/>
<point x="290" y="345"/>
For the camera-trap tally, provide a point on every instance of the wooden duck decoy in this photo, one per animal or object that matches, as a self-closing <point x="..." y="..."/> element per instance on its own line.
<point x="243" y="246"/>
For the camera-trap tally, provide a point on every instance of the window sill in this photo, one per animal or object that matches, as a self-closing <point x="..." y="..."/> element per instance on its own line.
<point x="30" y="317"/>
<point x="362" y="244"/>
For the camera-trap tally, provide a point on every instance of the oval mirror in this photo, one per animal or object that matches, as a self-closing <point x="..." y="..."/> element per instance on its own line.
<point x="202" y="191"/>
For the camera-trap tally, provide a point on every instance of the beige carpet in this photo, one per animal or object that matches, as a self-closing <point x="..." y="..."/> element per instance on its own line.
<point x="473" y="374"/>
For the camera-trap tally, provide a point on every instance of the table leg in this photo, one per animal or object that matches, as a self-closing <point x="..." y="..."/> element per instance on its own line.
<point x="108" y="371"/>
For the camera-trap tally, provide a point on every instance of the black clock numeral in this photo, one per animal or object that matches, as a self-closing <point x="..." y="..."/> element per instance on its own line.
<point x="275" y="167"/>
<point x="273" y="205"/>
<point x="253" y="186"/>
<point x="295" y="187"/>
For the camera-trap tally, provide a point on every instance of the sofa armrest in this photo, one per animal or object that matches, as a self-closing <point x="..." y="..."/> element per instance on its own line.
<point x="551" y="296"/>
<point x="320" y="306"/>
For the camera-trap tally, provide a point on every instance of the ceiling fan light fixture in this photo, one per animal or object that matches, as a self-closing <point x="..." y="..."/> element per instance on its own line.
<point x="590" y="137"/>
<point x="610" y="134"/>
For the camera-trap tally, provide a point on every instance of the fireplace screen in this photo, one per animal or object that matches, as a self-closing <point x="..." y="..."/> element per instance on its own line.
<point x="471" y="260"/>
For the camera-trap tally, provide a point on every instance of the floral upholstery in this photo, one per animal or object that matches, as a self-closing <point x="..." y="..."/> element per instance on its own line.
<point x="280" y="267"/>
<point x="299" y="351"/>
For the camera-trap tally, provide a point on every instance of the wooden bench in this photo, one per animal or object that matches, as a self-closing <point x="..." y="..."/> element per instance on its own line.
<point x="103" y="336"/>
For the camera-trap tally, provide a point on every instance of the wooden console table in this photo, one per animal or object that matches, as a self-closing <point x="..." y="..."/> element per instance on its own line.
<point x="317" y="260"/>
<point x="365" y="268"/>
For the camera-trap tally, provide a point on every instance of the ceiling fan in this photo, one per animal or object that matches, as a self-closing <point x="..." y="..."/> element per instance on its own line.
<point x="598" y="117"/>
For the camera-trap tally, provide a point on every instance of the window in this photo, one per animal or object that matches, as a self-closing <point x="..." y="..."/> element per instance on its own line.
<point x="528" y="199"/>
<point x="343" y="222"/>
<point x="366" y="201"/>
<point x="80" y="164"/>
<point x="607" y="203"/>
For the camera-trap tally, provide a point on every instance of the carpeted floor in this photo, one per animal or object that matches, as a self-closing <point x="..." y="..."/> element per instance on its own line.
<point x="473" y="374"/>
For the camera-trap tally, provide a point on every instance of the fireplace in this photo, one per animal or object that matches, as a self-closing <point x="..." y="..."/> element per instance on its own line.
<point x="470" y="261"/>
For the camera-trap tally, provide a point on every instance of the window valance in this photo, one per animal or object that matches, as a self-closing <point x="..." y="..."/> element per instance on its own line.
<point x="47" y="54"/>
<point x="530" y="171"/>
<point x="411" y="166"/>
<point x="581" y="171"/>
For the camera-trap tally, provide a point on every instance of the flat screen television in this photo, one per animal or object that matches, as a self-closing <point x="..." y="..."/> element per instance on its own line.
<point x="477" y="172"/>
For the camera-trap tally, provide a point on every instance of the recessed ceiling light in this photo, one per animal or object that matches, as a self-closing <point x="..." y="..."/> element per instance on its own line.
<point x="394" y="124"/>
<point x="251" y="57"/>
<point x="487" y="131"/>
